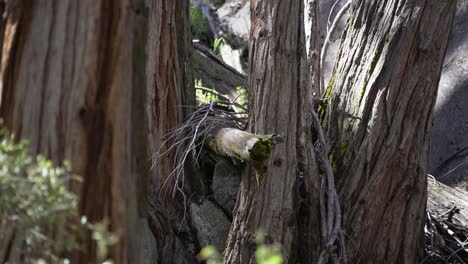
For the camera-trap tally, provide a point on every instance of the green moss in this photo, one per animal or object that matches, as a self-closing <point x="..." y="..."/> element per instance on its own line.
<point x="259" y="153"/>
<point x="262" y="149"/>
<point x="337" y="156"/>
<point x="373" y="63"/>
<point x="234" y="149"/>
<point x="322" y="109"/>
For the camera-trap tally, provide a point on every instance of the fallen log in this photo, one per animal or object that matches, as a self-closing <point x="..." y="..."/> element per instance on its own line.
<point x="222" y="130"/>
<point x="232" y="142"/>
<point x="252" y="148"/>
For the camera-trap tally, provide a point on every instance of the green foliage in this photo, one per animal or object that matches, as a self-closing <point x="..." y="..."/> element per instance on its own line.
<point x="204" y="97"/>
<point x="200" y="27"/>
<point x="210" y="255"/>
<point x="323" y="107"/>
<point x="264" y="254"/>
<point x="104" y="239"/>
<point x="217" y="44"/>
<point x="242" y="96"/>
<point x="267" y="254"/>
<point x="36" y="206"/>
<point x="34" y="199"/>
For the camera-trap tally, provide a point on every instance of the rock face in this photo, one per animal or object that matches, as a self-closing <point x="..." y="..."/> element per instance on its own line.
<point x="235" y="14"/>
<point x="226" y="181"/>
<point x="210" y="224"/>
<point x="449" y="153"/>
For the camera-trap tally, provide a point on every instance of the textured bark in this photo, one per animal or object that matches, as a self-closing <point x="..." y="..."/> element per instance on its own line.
<point x="71" y="86"/>
<point x="285" y="204"/>
<point x="76" y="78"/>
<point x="170" y="87"/>
<point x="379" y="116"/>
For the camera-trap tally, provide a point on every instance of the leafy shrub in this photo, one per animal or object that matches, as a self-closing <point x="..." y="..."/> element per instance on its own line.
<point x="264" y="254"/>
<point x="37" y="210"/>
<point x="218" y="42"/>
<point x="33" y="201"/>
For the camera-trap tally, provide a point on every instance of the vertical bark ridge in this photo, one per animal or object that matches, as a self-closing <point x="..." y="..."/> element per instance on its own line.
<point x="281" y="100"/>
<point x="380" y="109"/>
<point x="169" y="91"/>
<point x="66" y="86"/>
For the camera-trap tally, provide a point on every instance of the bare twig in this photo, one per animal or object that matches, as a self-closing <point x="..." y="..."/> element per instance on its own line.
<point x="226" y="99"/>
<point x="188" y="138"/>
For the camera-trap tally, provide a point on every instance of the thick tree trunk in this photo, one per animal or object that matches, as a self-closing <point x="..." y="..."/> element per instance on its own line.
<point x="75" y="78"/>
<point x="286" y="204"/>
<point x="378" y="117"/>
<point x="70" y="85"/>
<point x="169" y="89"/>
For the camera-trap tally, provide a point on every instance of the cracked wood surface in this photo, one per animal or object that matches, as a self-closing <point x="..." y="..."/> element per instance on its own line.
<point x="286" y="204"/>
<point x="378" y="121"/>
<point x="84" y="81"/>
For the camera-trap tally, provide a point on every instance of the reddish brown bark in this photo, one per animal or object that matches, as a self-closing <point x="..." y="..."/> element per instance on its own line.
<point x="170" y="90"/>
<point x="73" y="84"/>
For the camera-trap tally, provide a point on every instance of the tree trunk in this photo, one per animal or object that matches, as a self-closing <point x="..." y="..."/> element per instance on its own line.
<point x="286" y="203"/>
<point x="378" y="115"/>
<point x="76" y="77"/>
<point x="169" y="90"/>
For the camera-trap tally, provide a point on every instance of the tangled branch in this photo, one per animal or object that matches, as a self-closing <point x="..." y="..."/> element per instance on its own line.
<point x="330" y="210"/>
<point x="187" y="139"/>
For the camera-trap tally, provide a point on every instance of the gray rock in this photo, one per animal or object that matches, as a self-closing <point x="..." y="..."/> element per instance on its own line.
<point x="210" y="224"/>
<point x="149" y="254"/>
<point x="449" y="150"/>
<point x="226" y="181"/>
<point x="235" y="14"/>
<point x="231" y="57"/>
